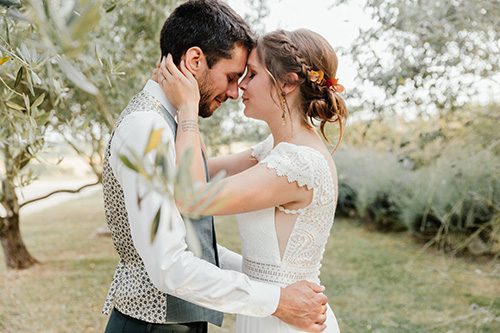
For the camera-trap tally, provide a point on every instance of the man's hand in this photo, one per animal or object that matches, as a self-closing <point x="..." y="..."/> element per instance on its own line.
<point x="303" y="305"/>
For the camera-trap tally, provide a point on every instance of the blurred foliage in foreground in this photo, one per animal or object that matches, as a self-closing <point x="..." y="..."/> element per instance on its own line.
<point x="67" y="70"/>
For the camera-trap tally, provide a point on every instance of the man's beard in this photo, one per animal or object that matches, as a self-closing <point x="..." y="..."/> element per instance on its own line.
<point x="206" y="96"/>
<point x="204" y="106"/>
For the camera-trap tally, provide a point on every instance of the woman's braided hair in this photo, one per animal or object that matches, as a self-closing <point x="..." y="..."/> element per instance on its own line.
<point x="302" y="51"/>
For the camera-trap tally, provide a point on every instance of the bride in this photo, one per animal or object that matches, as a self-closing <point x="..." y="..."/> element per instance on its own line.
<point x="283" y="190"/>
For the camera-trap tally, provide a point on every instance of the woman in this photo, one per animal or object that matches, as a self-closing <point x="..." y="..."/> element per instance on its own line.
<point x="283" y="190"/>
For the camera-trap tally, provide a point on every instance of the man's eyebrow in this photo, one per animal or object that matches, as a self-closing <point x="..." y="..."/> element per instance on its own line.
<point x="238" y="74"/>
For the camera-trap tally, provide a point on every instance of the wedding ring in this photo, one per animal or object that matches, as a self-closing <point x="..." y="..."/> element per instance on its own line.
<point x="161" y="81"/>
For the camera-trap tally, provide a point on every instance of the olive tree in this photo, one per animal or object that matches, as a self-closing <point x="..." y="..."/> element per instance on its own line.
<point x="67" y="70"/>
<point x="428" y="56"/>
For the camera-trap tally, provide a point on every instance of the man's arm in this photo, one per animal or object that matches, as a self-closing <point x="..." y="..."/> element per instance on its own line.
<point x="171" y="268"/>
<point x="229" y="259"/>
<point x="178" y="272"/>
<point x="231" y="164"/>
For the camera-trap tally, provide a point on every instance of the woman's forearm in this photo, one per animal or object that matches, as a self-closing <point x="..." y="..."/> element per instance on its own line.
<point x="188" y="138"/>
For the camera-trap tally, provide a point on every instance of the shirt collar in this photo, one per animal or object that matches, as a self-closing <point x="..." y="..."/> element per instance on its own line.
<point x="154" y="89"/>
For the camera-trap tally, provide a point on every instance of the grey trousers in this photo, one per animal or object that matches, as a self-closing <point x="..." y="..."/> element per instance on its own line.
<point x="121" y="323"/>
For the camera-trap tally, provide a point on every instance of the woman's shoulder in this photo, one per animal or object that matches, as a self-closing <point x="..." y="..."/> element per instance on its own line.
<point x="307" y="151"/>
<point x="303" y="164"/>
<point x="260" y="150"/>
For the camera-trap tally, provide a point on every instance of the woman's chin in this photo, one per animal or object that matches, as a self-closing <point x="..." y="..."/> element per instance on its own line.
<point x="246" y="113"/>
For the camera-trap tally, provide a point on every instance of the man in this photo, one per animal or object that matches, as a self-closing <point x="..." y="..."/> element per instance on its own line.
<point x="160" y="286"/>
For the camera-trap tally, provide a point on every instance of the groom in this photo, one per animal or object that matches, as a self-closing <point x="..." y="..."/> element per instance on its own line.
<point x="160" y="286"/>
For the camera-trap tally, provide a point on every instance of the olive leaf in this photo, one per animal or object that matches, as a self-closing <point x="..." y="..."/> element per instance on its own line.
<point x="76" y="76"/>
<point x="4" y="60"/>
<point x="154" y="139"/>
<point x="128" y="163"/>
<point x="155" y="225"/>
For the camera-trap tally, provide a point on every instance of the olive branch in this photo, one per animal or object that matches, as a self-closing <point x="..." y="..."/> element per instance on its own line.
<point x="174" y="184"/>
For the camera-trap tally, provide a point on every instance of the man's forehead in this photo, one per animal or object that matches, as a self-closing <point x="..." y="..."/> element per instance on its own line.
<point x="236" y="64"/>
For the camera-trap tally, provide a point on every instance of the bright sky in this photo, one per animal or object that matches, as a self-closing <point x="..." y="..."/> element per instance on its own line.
<point x="339" y="24"/>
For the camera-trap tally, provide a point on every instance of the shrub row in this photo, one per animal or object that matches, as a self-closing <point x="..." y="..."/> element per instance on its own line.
<point x="454" y="202"/>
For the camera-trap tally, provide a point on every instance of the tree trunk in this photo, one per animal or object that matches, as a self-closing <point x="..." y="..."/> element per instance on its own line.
<point x="16" y="253"/>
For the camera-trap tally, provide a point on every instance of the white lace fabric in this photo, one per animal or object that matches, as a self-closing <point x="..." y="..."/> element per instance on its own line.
<point x="306" y="244"/>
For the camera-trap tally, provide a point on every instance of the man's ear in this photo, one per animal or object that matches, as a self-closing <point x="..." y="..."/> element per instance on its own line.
<point x="195" y="60"/>
<point x="290" y="83"/>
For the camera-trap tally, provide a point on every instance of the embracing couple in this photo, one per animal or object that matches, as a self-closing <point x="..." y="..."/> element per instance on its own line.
<point x="283" y="190"/>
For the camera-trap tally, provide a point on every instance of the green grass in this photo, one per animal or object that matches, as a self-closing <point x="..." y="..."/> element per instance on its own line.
<point x="375" y="282"/>
<point x="66" y="292"/>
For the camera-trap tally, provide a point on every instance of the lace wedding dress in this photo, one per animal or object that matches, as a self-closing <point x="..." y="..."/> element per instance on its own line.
<point x="302" y="258"/>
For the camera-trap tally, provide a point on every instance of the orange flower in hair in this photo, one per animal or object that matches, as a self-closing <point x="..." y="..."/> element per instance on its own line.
<point x="334" y="85"/>
<point x="317" y="77"/>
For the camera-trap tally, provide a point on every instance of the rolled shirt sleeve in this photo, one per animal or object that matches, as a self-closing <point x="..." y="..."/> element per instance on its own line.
<point x="171" y="267"/>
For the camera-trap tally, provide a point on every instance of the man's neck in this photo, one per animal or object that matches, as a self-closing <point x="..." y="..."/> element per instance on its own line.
<point x="154" y="89"/>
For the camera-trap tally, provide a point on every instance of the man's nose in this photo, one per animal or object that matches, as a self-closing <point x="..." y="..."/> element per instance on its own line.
<point x="243" y="84"/>
<point x="232" y="91"/>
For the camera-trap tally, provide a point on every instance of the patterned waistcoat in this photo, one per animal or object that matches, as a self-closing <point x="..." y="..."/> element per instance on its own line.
<point x="131" y="291"/>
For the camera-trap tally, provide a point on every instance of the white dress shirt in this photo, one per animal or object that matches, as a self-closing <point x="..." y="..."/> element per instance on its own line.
<point x="172" y="268"/>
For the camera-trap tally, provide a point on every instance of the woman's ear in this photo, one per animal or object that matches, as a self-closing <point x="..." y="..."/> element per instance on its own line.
<point x="195" y="60"/>
<point x="290" y="83"/>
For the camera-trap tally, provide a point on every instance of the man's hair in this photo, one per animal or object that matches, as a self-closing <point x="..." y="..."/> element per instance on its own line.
<point x="210" y="25"/>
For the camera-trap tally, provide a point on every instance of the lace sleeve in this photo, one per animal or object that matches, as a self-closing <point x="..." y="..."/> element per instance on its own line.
<point x="261" y="149"/>
<point x="300" y="164"/>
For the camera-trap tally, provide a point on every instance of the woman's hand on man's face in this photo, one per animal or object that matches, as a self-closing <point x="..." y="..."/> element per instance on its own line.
<point x="179" y="86"/>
